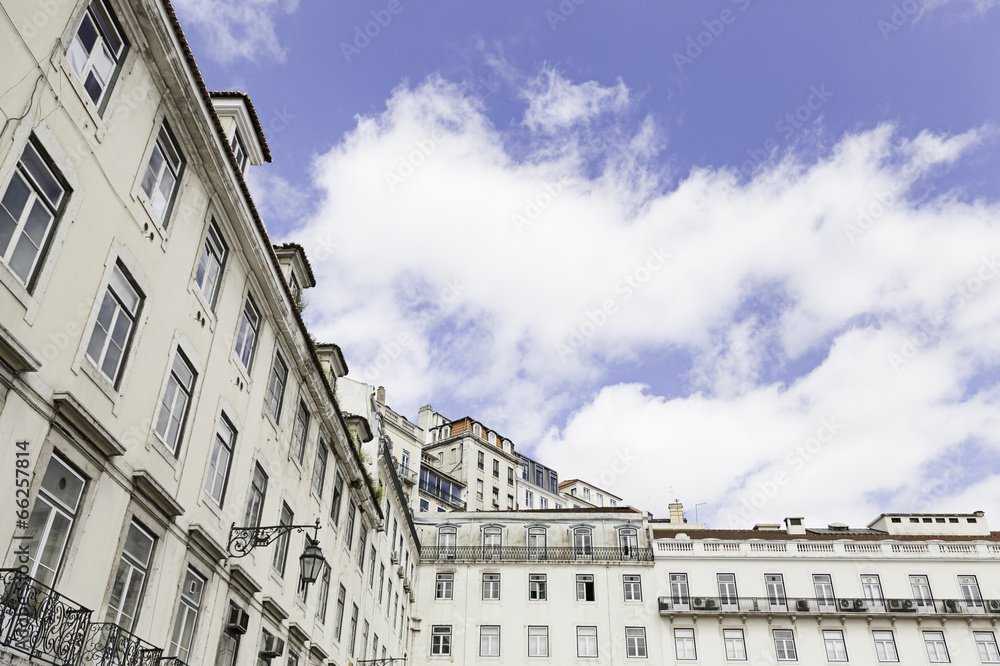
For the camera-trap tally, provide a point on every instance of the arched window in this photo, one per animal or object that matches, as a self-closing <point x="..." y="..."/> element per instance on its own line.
<point x="446" y="432"/>
<point x="628" y="543"/>
<point x="492" y="438"/>
<point x="583" y="543"/>
<point x="537" y="543"/>
<point x="492" y="543"/>
<point x="447" y="541"/>
<point x="477" y="430"/>
<point x="507" y="446"/>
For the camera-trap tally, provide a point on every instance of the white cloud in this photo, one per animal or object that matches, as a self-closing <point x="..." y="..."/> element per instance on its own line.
<point x="237" y="29"/>
<point x="454" y="267"/>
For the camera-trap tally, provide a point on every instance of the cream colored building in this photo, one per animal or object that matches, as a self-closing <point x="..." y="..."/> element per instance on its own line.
<point x="157" y="384"/>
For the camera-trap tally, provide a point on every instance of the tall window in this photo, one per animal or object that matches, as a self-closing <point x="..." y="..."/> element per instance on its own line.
<point x="986" y="643"/>
<point x="635" y="642"/>
<point x="492" y="543"/>
<point x="784" y="645"/>
<point x="447" y="541"/>
<point x="922" y="593"/>
<point x="510" y="476"/>
<point x="363" y="535"/>
<point x="174" y="406"/>
<point x="444" y="586"/>
<point x="479" y="489"/>
<point x="727" y="591"/>
<point x="280" y="557"/>
<point x="221" y="457"/>
<point x="338" y="495"/>
<point x="684" y="644"/>
<point x="585" y="587"/>
<point x="96" y="52"/>
<point x="491" y="587"/>
<point x="364" y="639"/>
<point x="163" y="173"/>
<point x="538" y="641"/>
<point x="628" y="543"/>
<point x="229" y="645"/>
<point x="583" y="543"/>
<point x="836" y="648"/>
<point x="774" y="584"/>
<point x="51" y="519"/>
<point x="238" y="150"/>
<point x="341" y="597"/>
<point x="553" y="483"/>
<point x="187" y="616"/>
<point x="319" y="469"/>
<point x="255" y="502"/>
<point x="537" y="547"/>
<point x="539" y="476"/>
<point x="35" y="198"/>
<point x="112" y="334"/>
<point x="441" y="640"/>
<point x="481" y="460"/>
<point x="489" y="640"/>
<point x="381" y="581"/>
<point x="324" y="593"/>
<point x="276" y="386"/>
<point x="937" y="649"/>
<point x="529" y="499"/>
<point x="537" y="584"/>
<point x="586" y="641"/>
<point x="246" y="336"/>
<point x="405" y="464"/>
<point x="299" y="432"/>
<point x="496" y="469"/>
<point x="349" y="536"/>
<point x="354" y="628"/>
<point x="210" y="263"/>
<point x="971" y="595"/>
<point x="130" y="578"/>
<point x="885" y="646"/>
<point x="872" y="588"/>
<point x="736" y="648"/>
<point x="371" y="568"/>
<point x="823" y="587"/>
<point x="679" y="597"/>
<point x="633" y="588"/>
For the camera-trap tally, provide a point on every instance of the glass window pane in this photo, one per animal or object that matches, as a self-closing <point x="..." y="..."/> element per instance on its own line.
<point x="40" y="173"/>
<point x="63" y="484"/>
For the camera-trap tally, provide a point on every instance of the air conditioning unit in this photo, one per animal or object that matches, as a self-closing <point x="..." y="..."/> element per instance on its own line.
<point x="849" y="604"/>
<point x="860" y="604"/>
<point x="237" y="622"/>
<point x="802" y="605"/>
<point x="993" y="605"/>
<point x="271" y="647"/>
<point x="699" y="603"/>
<point x="952" y="606"/>
<point x="394" y="558"/>
<point x="406" y="584"/>
<point x="900" y="605"/>
<point x="399" y="571"/>
<point x="663" y="603"/>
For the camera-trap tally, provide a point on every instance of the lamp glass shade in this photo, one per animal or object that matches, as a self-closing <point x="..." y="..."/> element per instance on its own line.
<point x="312" y="562"/>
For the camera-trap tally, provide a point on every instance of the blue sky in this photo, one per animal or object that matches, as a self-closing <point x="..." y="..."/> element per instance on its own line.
<point x="694" y="236"/>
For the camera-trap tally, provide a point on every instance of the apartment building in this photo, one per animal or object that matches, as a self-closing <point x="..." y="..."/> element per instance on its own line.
<point x="607" y="586"/>
<point x="580" y="494"/>
<point x="177" y="453"/>
<point x="538" y="485"/>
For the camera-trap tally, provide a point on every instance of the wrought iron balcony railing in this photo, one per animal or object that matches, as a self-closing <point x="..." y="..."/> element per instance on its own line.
<point x="530" y="554"/>
<point x="388" y="661"/>
<point x="110" y="645"/>
<point x="839" y="606"/>
<point x="443" y="496"/>
<point x="407" y="474"/>
<point x="39" y="622"/>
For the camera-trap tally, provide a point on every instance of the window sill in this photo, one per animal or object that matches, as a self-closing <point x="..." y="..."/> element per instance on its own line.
<point x="208" y="502"/>
<point x="154" y="442"/>
<point x="206" y="307"/>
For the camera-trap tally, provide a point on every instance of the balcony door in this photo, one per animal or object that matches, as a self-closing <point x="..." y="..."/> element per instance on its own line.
<point x="679" y="597"/>
<point x="872" y="588"/>
<point x="970" y="594"/>
<point x="130" y="578"/>
<point x="728" y="598"/>
<point x="774" y="584"/>
<point x="922" y="596"/>
<point x="823" y="587"/>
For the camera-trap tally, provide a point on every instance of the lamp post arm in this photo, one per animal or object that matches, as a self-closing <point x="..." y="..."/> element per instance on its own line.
<point x="242" y="540"/>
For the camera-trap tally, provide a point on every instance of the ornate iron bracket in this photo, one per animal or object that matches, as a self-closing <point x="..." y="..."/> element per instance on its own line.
<point x="242" y="540"/>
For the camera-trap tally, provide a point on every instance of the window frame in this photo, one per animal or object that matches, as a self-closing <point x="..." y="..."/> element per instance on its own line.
<point x="179" y="389"/>
<point x="441" y="640"/>
<point x="489" y="640"/>
<point x="213" y="246"/>
<point x="119" y="272"/>
<point x="256" y="497"/>
<point x="320" y="468"/>
<point x="834" y="638"/>
<point x="942" y="643"/>
<point x="583" y="580"/>
<point x="162" y="140"/>
<point x="444" y="586"/>
<point x="540" y="646"/>
<point x="686" y="640"/>
<point x="274" y="399"/>
<point x="130" y="560"/>
<point x="99" y="105"/>
<point x="637" y="641"/>
<point x="491" y="587"/>
<point x="786" y="641"/>
<point x="582" y="640"/>
<point x="632" y="582"/>
<point x="734" y="641"/>
<point x="881" y="640"/>
<point x="986" y="639"/>
<point x="538" y="587"/>
<point x="241" y="347"/>
<point x="188" y="609"/>
<point x="212" y="469"/>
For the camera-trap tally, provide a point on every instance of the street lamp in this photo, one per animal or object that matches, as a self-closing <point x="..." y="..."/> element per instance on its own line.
<point x="242" y="540"/>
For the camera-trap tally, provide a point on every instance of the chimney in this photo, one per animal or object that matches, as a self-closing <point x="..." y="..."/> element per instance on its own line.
<point x="795" y="525"/>
<point x="424" y="417"/>
<point x="380" y="395"/>
<point x="677" y="512"/>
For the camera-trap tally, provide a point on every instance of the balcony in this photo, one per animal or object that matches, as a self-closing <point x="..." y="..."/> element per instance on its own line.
<point x="447" y="498"/>
<point x="841" y="606"/>
<point x="823" y="549"/>
<point x="39" y="622"/>
<point x="407" y="474"/>
<point x="533" y="554"/>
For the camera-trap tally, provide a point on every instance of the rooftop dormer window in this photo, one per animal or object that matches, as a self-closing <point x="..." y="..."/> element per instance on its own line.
<point x="492" y="438"/>
<point x="477" y="430"/>
<point x="239" y="150"/>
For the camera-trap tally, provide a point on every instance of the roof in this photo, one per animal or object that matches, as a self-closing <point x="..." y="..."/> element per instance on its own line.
<point x="302" y="253"/>
<point x="780" y="535"/>
<point x="239" y="94"/>
<point x="606" y="492"/>
<point x="206" y="96"/>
